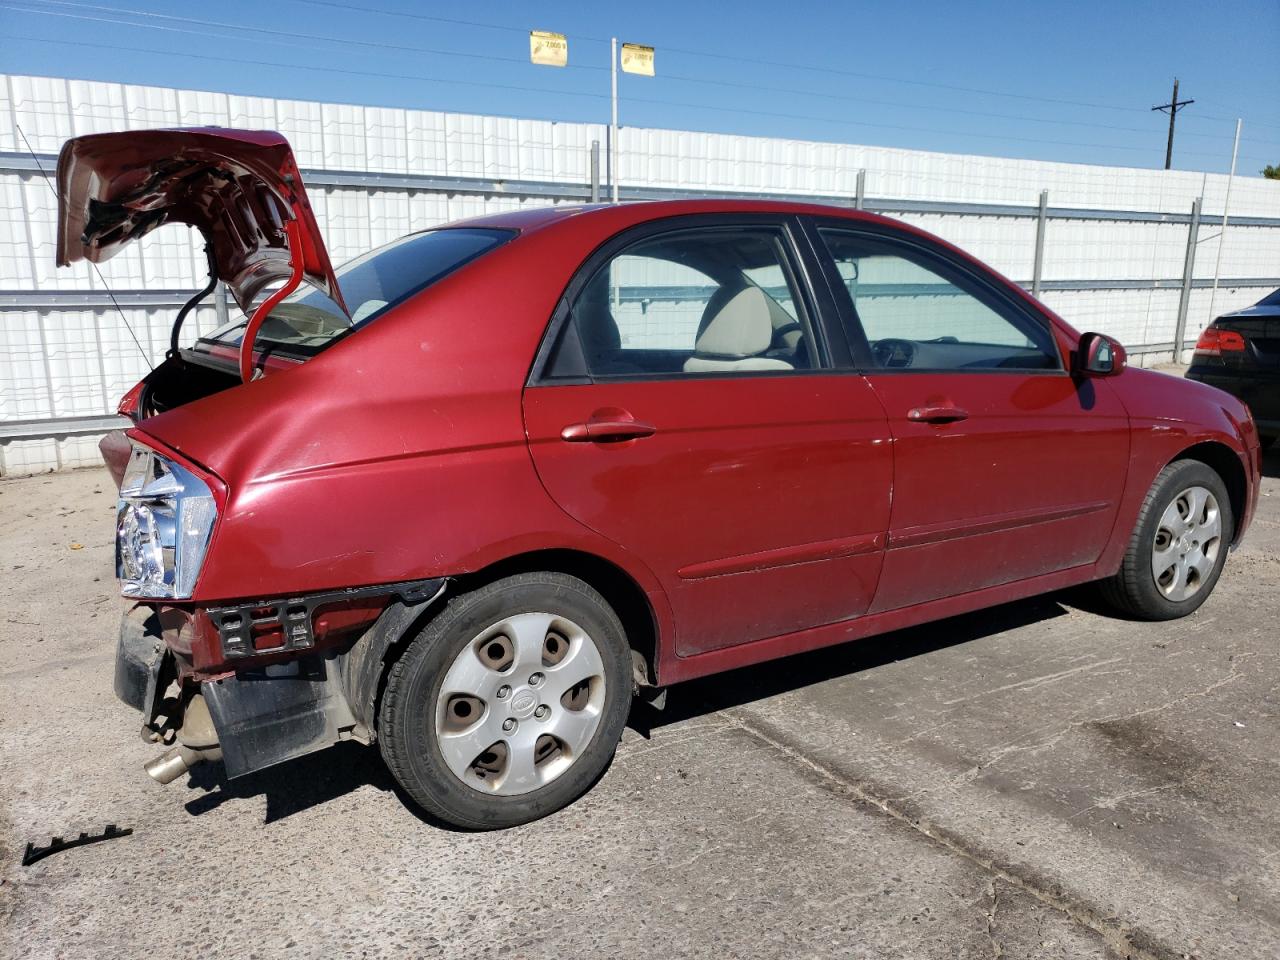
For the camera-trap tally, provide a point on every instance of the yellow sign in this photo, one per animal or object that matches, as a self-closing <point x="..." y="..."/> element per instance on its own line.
<point x="548" y="49"/>
<point x="637" y="58"/>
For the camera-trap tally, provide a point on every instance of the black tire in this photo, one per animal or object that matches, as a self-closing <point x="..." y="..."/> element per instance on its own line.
<point x="1133" y="589"/>
<point x="407" y="731"/>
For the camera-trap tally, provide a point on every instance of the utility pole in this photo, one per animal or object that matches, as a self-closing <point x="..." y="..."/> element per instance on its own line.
<point x="1173" y="106"/>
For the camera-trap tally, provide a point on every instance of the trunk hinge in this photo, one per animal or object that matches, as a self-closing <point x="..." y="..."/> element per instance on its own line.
<point x="293" y="232"/>
<point x="190" y="304"/>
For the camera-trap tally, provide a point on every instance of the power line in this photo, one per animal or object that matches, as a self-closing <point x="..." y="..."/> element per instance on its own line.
<point x="333" y="4"/>
<point x="594" y="96"/>
<point x="319" y="69"/>
<point x="292" y="34"/>
<point x="1235" y="116"/>
<point x="849" y="98"/>
<point x="753" y="61"/>
<point x="101" y="279"/>
<point x="329" y="39"/>
<point x="433" y="19"/>
<point x="434" y="51"/>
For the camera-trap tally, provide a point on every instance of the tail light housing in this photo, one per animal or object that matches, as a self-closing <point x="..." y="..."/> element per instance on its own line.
<point x="1215" y="341"/>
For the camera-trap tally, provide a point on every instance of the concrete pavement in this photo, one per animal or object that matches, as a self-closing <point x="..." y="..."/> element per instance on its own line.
<point x="1039" y="780"/>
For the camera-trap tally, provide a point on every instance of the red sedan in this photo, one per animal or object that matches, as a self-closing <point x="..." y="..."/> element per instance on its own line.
<point x="469" y="494"/>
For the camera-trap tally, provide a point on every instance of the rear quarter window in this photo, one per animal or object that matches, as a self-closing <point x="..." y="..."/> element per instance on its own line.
<point x="308" y="321"/>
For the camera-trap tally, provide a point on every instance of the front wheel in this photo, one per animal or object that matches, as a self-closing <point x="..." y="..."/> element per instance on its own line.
<point x="510" y="703"/>
<point x="1178" y="547"/>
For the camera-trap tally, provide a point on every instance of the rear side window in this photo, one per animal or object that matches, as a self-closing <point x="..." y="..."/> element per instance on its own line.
<point x="308" y="321"/>
<point x="921" y="313"/>
<point x="699" y="301"/>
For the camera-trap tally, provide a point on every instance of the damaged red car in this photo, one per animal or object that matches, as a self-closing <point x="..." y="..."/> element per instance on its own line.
<point x="468" y="495"/>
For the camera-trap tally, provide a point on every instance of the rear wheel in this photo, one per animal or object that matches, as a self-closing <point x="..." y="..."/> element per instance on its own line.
<point x="510" y="703"/>
<point x="1178" y="547"/>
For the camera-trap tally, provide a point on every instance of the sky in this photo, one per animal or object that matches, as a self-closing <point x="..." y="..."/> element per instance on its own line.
<point x="1066" y="81"/>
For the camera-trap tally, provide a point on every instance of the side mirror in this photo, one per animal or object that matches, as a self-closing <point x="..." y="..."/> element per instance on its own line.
<point x="1098" y="355"/>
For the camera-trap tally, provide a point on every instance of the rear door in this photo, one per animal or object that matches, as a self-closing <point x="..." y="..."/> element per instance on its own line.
<point x="688" y="408"/>
<point x="1005" y="466"/>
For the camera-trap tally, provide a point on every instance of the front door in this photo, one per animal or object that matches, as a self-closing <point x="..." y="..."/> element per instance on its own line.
<point x="1005" y="466"/>
<point x="699" y="425"/>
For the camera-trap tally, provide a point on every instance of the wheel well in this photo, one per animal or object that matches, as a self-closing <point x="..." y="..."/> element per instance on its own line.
<point x="614" y="584"/>
<point x="1223" y="461"/>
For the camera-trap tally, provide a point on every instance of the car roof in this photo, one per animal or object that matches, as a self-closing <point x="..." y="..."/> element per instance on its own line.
<point x="640" y="211"/>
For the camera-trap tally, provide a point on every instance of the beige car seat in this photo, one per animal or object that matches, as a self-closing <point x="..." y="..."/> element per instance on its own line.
<point x="735" y="332"/>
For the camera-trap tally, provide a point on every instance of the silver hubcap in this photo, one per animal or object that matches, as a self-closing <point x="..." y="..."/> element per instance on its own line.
<point x="1187" y="543"/>
<point x="520" y="703"/>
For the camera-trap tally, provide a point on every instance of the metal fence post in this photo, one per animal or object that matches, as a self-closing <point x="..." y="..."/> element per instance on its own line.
<point x="860" y="196"/>
<point x="1037" y="269"/>
<point x="595" y="171"/>
<point x="1188" y="268"/>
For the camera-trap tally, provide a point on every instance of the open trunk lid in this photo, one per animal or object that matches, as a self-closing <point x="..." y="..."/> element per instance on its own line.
<point x="240" y="188"/>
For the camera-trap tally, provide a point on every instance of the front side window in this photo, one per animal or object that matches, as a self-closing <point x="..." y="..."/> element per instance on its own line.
<point x="716" y="300"/>
<point x="923" y="314"/>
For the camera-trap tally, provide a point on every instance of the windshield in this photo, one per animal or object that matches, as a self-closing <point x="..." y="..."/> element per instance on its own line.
<point x="307" y="321"/>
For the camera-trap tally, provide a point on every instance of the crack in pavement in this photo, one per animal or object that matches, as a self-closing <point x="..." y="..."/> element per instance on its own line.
<point x="997" y="951"/>
<point x="1119" y="938"/>
<point x="1033" y="682"/>
<point x="1020" y="745"/>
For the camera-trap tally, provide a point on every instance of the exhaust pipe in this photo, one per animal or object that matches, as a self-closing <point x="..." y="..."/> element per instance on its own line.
<point x="169" y="766"/>
<point x="197" y="743"/>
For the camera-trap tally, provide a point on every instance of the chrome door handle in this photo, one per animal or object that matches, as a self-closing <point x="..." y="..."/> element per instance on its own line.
<point x="605" y="431"/>
<point x="939" y="413"/>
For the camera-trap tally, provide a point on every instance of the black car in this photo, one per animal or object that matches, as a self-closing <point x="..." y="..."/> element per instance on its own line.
<point x="1240" y="353"/>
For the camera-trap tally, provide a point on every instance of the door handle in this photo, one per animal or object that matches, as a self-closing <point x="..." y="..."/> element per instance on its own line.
<point x="937" y="413"/>
<point x="608" y="430"/>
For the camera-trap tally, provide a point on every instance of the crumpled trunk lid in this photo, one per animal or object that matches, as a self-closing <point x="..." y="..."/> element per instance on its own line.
<point x="239" y="188"/>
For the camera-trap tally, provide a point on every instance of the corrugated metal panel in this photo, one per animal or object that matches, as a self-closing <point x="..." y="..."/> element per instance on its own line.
<point x="77" y="360"/>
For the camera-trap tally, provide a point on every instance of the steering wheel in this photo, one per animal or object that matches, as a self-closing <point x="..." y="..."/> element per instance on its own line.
<point x="893" y="353"/>
<point x="780" y="335"/>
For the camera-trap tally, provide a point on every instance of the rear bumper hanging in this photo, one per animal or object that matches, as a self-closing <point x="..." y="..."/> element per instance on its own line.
<point x="267" y="714"/>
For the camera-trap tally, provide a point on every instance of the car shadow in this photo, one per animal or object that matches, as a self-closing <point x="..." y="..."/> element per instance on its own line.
<point x="748" y="684"/>
<point x="293" y="786"/>
<point x="1271" y="463"/>
<point x="320" y="778"/>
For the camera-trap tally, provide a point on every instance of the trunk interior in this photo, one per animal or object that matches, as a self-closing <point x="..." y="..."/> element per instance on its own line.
<point x="179" y="381"/>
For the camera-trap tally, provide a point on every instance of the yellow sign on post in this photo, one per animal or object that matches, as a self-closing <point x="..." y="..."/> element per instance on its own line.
<point x="548" y="49"/>
<point x="637" y="58"/>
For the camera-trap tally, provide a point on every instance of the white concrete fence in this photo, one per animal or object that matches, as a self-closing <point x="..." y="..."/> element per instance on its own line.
<point x="1130" y="252"/>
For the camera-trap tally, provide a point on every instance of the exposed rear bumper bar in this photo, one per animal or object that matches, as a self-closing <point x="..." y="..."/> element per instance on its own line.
<point x="271" y="713"/>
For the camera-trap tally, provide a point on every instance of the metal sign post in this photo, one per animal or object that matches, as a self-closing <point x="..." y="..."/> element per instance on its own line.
<point x="636" y="58"/>
<point x="552" y="50"/>
<point x="613" y="122"/>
